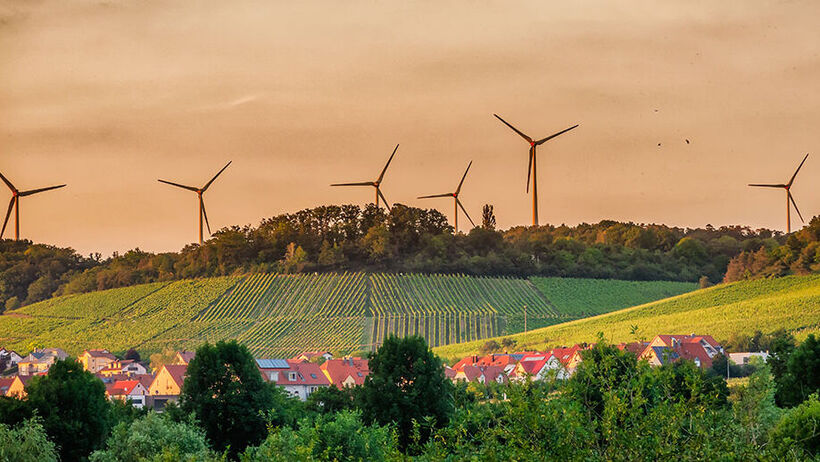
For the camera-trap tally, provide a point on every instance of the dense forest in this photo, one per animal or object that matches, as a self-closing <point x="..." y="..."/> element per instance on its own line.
<point x="407" y="239"/>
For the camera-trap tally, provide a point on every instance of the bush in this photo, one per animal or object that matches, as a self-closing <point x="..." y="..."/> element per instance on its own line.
<point x="338" y="437"/>
<point x="155" y="437"/>
<point x="26" y="442"/>
<point x="799" y="428"/>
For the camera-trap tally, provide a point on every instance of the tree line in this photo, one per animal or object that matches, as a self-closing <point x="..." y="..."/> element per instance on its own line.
<point x="408" y="239"/>
<point x="614" y="407"/>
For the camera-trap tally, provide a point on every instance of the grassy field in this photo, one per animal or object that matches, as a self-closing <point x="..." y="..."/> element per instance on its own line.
<point x="792" y="303"/>
<point x="279" y="315"/>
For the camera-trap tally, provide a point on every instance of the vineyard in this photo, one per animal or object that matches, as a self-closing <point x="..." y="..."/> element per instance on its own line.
<point x="791" y="303"/>
<point x="279" y="315"/>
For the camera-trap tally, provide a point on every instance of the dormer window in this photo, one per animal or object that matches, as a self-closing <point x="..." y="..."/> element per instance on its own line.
<point x="274" y="376"/>
<point x="292" y="376"/>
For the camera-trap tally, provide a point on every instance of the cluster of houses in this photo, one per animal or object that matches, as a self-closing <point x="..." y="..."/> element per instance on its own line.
<point x="561" y="362"/>
<point x="133" y="381"/>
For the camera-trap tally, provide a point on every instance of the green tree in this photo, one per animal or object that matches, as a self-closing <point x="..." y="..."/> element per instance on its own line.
<point x="802" y="376"/>
<point x="26" y="442"/>
<point x="799" y="427"/>
<point x="407" y="388"/>
<point x="72" y="404"/>
<point x="329" y="400"/>
<point x="488" y="217"/>
<point x="155" y="437"/>
<point x="226" y="395"/>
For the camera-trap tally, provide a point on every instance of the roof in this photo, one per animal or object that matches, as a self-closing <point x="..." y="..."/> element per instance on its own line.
<point x="124" y="387"/>
<point x="100" y="353"/>
<point x="5" y="383"/>
<point x="305" y="373"/>
<point x="177" y="372"/>
<point x="272" y="364"/>
<point x="633" y="347"/>
<point x="338" y="370"/>
<point x="491" y="373"/>
<point x="693" y="351"/>
<point x="186" y="356"/>
<point x="471" y="373"/>
<point x="449" y="372"/>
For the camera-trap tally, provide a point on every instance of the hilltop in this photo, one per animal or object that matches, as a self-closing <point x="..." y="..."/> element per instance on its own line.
<point x="279" y="315"/>
<point x="791" y="302"/>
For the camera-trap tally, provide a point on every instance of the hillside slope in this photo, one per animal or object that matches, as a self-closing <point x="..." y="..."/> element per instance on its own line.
<point x="278" y="315"/>
<point x="792" y="303"/>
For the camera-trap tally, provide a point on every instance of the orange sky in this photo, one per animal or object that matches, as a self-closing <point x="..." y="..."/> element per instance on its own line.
<point x="108" y="96"/>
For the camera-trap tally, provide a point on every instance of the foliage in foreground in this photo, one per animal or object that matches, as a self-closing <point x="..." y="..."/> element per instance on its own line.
<point x="155" y="438"/>
<point x="26" y="442"/>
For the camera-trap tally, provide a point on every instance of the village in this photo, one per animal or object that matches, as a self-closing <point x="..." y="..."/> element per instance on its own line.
<point x="133" y="381"/>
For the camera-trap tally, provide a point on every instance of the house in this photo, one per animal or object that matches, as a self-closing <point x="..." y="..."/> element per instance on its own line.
<point x="746" y="357"/>
<point x="95" y="360"/>
<point x="539" y="365"/>
<point x="184" y="357"/>
<point x="128" y="390"/>
<point x="8" y="359"/>
<point x="40" y="360"/>
<point x="5" y="383"/>
<point x="636" y="348"/>
<point x="123" y="366"/>
<point x="697" y="348"/>
<point x="658" y="355"/>
<point x="313" y="356"/>
<point x="481" y="374"/>
<point x="450" y="373"/>
<point x="17" y="388"/>
<point x="346" y="372"/>
<point x="298" y="378"/>
<point x="167" y="385"/>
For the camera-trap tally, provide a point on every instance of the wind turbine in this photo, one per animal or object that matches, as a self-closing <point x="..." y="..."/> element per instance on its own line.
<point x="199" y="192"/>
<point x="531" y="169"/>
<point x="376" y="183"/>
<point x="456" y="202"/>
<point x="15" y="204"/>
<point x="789" y="197"/>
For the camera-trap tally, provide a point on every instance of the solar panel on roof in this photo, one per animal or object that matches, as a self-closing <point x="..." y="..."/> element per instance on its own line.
<point x="272" y="364"/>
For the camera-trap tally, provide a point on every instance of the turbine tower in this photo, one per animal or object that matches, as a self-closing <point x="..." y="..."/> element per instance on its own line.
<point x="199" y="192"/>
<point x="376" y="183"/>
<point x="15" y="204"/>
<point x="531" y="169"/>
<point x="456" y="202"/>
<point x="789" y="198"/>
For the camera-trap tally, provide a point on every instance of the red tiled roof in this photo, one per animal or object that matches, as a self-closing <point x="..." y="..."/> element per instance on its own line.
<point x="144" y="379"/>
<point x="306" y="374"/>
<point x="5" y="383"/>
<point x="449" y="372"/>
<point x="340" y="369"/>
<point x="692" y="351"/>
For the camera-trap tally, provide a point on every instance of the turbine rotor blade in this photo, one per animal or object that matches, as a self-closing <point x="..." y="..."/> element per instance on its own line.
<point x="465" y="212"/>
<point x="768" y="185"/>
<point x="387" y="164"/>
<point x="529" y="140"/>
<point x="436" y="195"/>
<point x="363" y="183"/>
<point x="379" y="192"/>
<point x="35" y="191"/>
<point x="205" y="188"/>
<point x="458" y="190"/>
<point x="798" y="169"/>
<point x="8" y="183"/>
<point x="8" y="214"/>
<point x="544" y="140"/>
<point x="204" y="214"/>
<point x="189" y="188"/>
<point x="791" y="198"/>
<point x="529" y="167"/>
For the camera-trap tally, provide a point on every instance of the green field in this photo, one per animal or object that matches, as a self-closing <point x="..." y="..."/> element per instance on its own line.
<point x="792" y="303"/>
<point x="279" y="315"/>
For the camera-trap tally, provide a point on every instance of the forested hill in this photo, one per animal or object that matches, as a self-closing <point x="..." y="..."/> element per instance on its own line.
<point x="412" y="240"/>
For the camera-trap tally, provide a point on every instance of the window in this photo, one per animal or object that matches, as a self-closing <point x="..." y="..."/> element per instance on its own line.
<point x="274" y="376"/>
<point x="292" y="376"/>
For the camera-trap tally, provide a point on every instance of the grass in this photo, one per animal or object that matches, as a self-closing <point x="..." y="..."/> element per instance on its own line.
<point x="280" y="315"/>
<point x="792" y="303"/>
